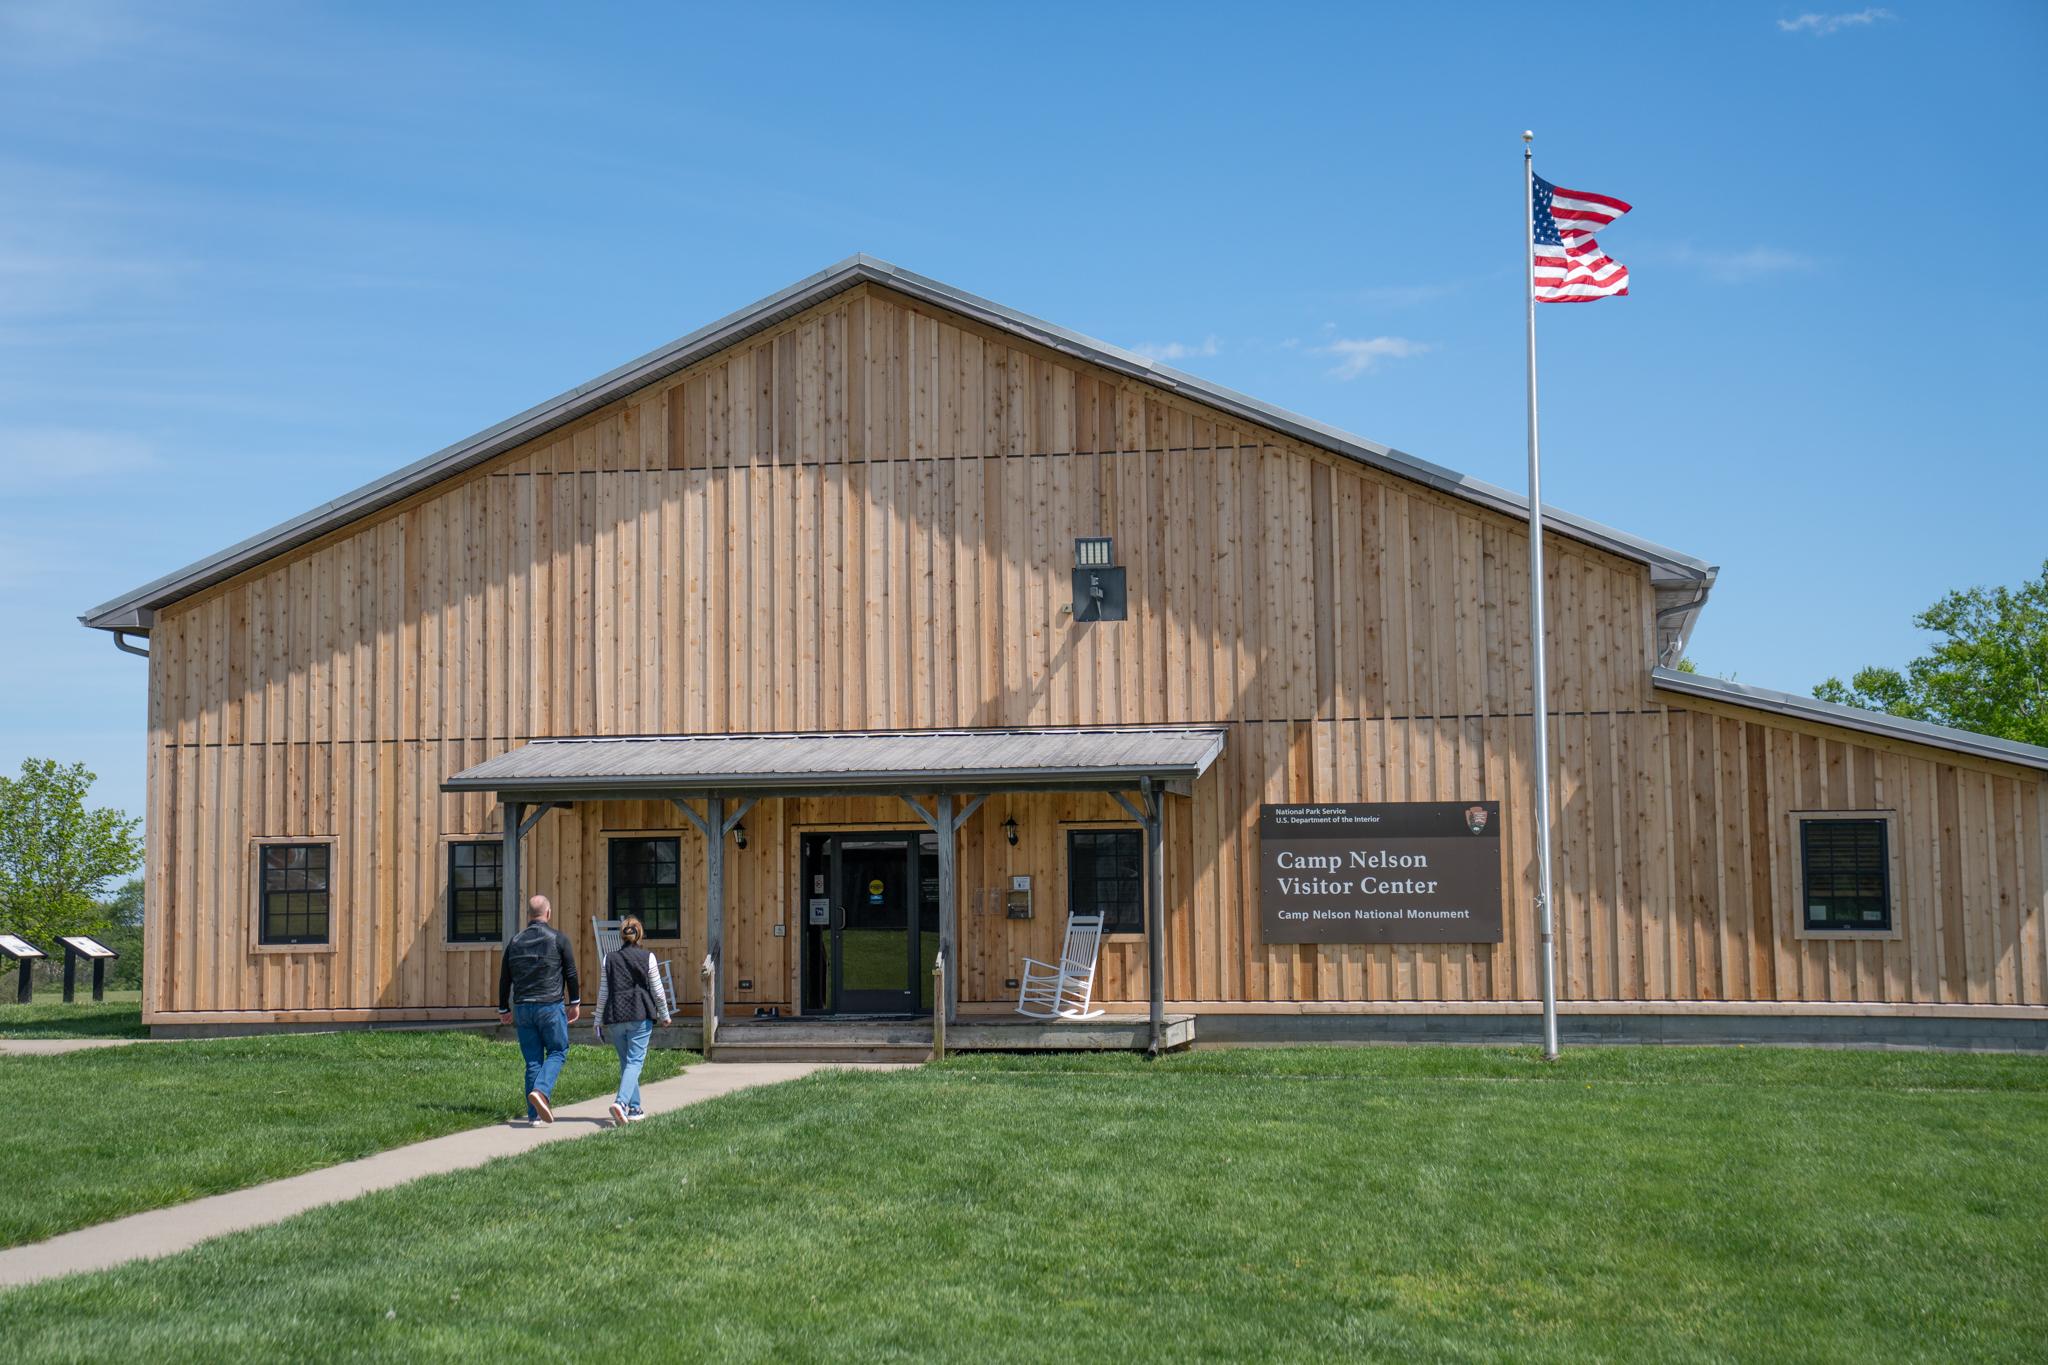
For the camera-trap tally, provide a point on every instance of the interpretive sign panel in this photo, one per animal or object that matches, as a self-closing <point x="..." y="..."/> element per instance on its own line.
<point x="1402" y="872"/>
<point x="87" y="947"/>
<point x="19" y="947"/>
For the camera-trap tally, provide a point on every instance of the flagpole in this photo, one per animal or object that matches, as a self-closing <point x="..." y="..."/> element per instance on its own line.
<point x="1541" y="713"/>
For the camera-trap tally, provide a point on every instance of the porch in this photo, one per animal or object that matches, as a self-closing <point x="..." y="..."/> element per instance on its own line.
<point x="940" y="781"/>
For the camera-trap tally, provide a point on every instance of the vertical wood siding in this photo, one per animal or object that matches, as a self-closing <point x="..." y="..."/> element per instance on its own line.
<point x="863" y="519"/>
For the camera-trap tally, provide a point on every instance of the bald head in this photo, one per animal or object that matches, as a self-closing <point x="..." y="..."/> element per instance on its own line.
<point x="539" y="909"/>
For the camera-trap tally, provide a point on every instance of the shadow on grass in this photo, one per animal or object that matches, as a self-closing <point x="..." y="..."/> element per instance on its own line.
<point x="57" y="1020"/>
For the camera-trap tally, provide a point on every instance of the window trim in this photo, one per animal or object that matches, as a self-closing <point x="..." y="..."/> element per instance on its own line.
<point x="335" y="898"/>
<point x="448" y="939"/>
<point x="1895" y="875"/>
<point x="1071" y="827"/>
<point x="680" y="936"/>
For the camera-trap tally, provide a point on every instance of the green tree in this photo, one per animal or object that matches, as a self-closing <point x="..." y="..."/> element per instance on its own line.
<point x="1988" y="672"/>
<point x="124" y="908"/>
<point x="57" y="855"/>
<point x="123" y="934"/>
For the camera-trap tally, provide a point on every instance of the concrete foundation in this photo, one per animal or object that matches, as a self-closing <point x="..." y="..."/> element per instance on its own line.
<point x="1887" y="1031"/>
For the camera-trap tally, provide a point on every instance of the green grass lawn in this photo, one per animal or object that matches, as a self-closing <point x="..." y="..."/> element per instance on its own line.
<point x="119" y="1016"/>
<point x="1438" y="1204"/>
<point x="90" y="1136"/>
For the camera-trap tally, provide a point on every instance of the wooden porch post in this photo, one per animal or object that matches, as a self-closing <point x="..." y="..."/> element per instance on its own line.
<point x="714" y="904"/>
<point x="1150" y="813"/>
<point x="945" y="822"/>
<point x="510" y="871"/>
<point x="714" y="824"/>
<point x="1155" y="910"/>
<point x="949" y="909"/>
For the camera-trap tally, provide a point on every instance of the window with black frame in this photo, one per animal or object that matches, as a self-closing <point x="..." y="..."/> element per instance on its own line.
<point x="644" y="882"/>
<point x="293" y="887"/>
<point x="1106" y="877"/>
<point x="1847" y="875"/>
<point x="476" y="891"/>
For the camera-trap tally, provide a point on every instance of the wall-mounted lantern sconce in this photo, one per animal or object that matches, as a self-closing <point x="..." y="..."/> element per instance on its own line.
<point x="739" y="835"/>
<point x="1010" y="830"/>
<point x="1098" y="580"/>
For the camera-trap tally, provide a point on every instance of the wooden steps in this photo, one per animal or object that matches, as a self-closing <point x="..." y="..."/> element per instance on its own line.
<point x="848" y="1040"/>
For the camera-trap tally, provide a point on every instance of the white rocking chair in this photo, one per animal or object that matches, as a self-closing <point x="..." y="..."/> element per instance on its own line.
<point x="1065" y="990"/>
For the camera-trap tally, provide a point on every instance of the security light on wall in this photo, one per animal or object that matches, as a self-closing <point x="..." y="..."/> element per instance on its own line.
<point x="1098" y="580"/>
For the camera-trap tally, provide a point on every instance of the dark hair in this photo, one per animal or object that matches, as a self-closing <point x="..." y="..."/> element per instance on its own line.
<point x="631" y="930"/>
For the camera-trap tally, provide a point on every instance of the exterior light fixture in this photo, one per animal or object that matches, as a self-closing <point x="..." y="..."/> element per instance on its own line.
<point x="739" y="835"/>
<point x="1010" y="830"/>
<point x="1098" y="580"/>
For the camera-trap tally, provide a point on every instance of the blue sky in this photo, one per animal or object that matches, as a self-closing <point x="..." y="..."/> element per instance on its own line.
<point x="254" y="255"/>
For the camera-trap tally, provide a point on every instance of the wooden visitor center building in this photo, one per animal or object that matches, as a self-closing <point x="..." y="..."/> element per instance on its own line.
<point x="878" y="620"/>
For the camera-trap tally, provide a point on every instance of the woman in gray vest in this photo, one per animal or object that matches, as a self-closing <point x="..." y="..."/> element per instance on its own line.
<point x="630" y="1001"/>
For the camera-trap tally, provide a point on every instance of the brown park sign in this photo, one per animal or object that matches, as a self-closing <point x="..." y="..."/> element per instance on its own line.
<point x="1401" y="872"/>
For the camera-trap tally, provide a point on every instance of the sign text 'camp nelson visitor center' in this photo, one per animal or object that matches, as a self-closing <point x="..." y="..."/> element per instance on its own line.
<point x="878" y="621"/>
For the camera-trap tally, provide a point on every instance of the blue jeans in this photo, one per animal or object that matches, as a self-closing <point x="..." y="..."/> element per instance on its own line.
<point x="630" y="1042"/>
<point x="544" y="1042"/>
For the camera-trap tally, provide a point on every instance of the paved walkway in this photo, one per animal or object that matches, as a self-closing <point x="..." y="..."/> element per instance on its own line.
<point x="50" y="1047"/>
<point x="161" y="1232"/>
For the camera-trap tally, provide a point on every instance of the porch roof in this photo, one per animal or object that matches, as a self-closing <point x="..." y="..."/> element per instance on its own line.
<point x="845" y="762"/>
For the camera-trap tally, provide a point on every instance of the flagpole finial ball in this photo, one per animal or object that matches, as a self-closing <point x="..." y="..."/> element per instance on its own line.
<point x="1528" y="136"/>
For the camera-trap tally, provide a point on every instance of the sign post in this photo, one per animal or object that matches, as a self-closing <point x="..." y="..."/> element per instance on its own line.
<point x="27" y="954"/>
<point x="98" y="953"/>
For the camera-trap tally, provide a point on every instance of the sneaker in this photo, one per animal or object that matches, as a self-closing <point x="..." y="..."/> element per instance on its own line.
<point x="540" y="1106"/>
<point x="618" y="1113"/>
<point x="635" y="1114"/>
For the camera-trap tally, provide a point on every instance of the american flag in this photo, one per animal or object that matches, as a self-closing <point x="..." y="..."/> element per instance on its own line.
<point x="1570" y="266"/>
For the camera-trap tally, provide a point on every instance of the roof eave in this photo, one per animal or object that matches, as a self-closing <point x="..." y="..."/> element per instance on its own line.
<point x="1121" y="778"/>
<point x="1852" y="718"/>
<point x="1118" y="776"/>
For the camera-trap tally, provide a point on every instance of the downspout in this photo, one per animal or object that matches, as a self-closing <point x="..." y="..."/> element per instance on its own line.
<point x="121" y="643"/>
<point x="1668" y="655"/>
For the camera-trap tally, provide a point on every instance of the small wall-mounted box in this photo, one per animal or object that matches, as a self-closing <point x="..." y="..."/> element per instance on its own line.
<point x="780" y="931"/>
<point x="1017" y="900"/>
<point x="746" y="983"/>
<point x="1098" y="581"/>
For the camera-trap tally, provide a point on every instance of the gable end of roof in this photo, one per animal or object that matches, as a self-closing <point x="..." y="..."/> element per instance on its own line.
<point x="134" y="611"/>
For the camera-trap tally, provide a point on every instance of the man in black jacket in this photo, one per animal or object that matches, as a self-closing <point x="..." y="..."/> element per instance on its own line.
<point x="536" y="977"/>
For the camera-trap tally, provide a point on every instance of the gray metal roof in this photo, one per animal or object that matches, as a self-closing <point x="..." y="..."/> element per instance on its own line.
<point x="135" y="610"/>
<point x="922" y="760"/>
<point x="1851" y="717"/>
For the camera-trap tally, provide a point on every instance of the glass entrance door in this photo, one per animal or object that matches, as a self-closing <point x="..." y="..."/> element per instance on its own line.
<point x="871" y="922"/>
